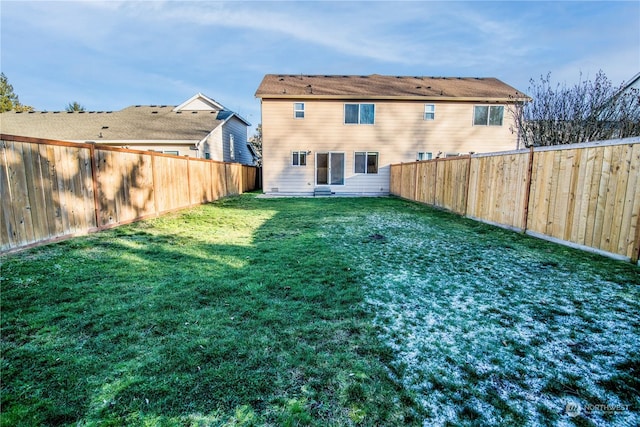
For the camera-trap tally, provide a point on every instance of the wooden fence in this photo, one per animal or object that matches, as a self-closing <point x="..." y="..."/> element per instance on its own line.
<point x="53" y="190"/>
<point x="583" y="195"/>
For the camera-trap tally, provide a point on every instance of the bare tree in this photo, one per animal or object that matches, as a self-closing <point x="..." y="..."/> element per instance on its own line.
<point x="256" y="144"/>
<point x="588" y="111"/>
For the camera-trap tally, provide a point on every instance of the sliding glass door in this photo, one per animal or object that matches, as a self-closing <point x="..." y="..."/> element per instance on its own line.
<point x="329" y="168"/>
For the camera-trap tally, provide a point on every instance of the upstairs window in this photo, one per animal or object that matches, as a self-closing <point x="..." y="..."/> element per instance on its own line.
<point x="429" y="112"/>
<point x="424" y="155"/>
<point x="299" y="158"/>
<point x="359" y="114"/>
<point x="298" y="110"/>
<point x="366" y="162"/>
<point x="232" y="148"/>
<point x="488" y="115"/>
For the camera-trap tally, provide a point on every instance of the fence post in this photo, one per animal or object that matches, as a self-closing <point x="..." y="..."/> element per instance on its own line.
<point x="415" y="182"/>
<point x="435" y="183"/>
<point x="635" y="252"/>
<point x="189" y="181"/>
<point x="527" y="191"/>
<point x="94" y="182"/>
<point x="154" y="182"/>
<point x="466" y="196"/>
<point x="401" y="174"/>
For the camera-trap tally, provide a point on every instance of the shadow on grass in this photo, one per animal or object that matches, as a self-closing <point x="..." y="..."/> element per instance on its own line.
<point x="234" y="313"/>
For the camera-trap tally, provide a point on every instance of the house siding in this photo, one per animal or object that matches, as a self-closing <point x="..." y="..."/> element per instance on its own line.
<point x="398" y="134"/>
<point x="213" y="145"/>
<point x="238" y="129"/>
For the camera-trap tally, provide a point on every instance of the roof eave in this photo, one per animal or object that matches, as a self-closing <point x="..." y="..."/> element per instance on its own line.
<point x="397" y="98"/>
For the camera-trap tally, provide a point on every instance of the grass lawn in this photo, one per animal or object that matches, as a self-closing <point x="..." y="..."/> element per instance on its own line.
<point x="332" y="311"/>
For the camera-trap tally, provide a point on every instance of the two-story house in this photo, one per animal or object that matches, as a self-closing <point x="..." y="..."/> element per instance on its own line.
<point x="341" y="133"/>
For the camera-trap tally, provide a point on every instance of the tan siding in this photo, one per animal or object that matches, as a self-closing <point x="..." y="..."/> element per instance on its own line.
<point x="398" y="134"/>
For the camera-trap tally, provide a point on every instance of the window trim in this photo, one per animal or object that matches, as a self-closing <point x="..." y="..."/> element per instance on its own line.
<point x="366" y="163"/>
<point x="433" y="112"/>
<point x="430" y="155"/>
<point x="298" y="153"/>
<point x="488" y="116"/>
<point x="359" y="104"/>
<point x="297" y="110"/>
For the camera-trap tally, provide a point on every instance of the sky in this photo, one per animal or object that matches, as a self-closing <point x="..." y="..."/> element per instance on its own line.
<point x="110" y="55"/>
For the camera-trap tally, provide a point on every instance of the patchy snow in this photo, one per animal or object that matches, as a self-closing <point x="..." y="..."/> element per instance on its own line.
<point x="490" y="330"/>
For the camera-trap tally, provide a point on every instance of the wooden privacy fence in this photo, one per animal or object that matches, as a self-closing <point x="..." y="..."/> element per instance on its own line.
<point x="584" y="195"/>
<point x="53" y="190"/>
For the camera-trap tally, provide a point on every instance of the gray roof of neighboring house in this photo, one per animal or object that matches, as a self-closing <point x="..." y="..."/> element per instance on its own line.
<point x="376" y="86"/>
<point x="135" y="123"/>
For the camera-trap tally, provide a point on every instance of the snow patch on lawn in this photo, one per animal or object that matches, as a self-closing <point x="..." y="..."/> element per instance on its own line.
<point x="486" y="329"/>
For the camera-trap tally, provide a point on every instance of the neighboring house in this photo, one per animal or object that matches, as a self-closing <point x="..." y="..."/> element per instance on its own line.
<point x="342" y="132"/>
<point x="199" y="127"/>
<point x="633" y="83"/>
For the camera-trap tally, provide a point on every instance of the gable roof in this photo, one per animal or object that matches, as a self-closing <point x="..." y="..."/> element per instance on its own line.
<point x="200" y="102"/>
<point x="633" y="83"/>
<point x="134" y="123"/>
<point x="376" y="86"/>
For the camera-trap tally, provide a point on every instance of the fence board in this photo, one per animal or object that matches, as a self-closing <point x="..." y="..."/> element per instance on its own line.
<point x="408" y="180"/>
<point x="6" y="209"/>
<point x="22" y="226"/>
<point x="579" y="223"/>
<point x="33" y="172"/>
<point x="200" y="182"/>
<point x="601" y="209"/>
<point x="425" y="182"/>
<point x="395" y="184"/>
<point x="631" y="211"/>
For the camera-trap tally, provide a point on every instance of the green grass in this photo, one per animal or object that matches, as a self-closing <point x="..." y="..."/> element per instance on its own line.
<point x="327" y="311"/>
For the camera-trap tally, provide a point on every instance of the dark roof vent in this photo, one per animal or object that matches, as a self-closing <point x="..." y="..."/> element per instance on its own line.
<point x="105" y="127"/>
<point x="154" y="112"/>
<point x="194" y="112"/>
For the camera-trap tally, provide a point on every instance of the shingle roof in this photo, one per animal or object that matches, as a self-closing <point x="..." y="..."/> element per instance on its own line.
<point x="135" y="123"/>
<point x="376" y="86"/>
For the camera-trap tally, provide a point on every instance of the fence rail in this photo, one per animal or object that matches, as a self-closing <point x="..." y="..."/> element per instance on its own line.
<point x="583" y="195"/>
<point x="53" y="190"/>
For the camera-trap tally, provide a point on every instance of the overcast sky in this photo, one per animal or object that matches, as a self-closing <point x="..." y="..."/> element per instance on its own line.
<point x="109" y="55"/>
